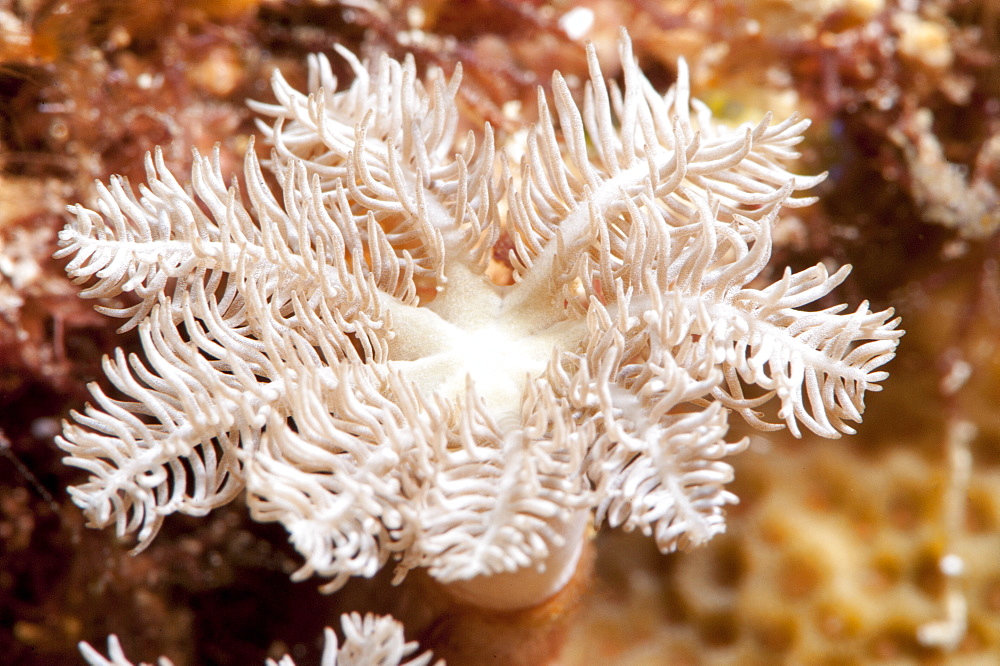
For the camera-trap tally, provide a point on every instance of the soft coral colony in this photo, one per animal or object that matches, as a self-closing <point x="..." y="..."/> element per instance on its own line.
<point x="337" y="352"/>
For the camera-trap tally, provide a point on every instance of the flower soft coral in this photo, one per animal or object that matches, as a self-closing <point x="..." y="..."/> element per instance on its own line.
<point x="338" y="351"/>
<point x="371" y="640"/>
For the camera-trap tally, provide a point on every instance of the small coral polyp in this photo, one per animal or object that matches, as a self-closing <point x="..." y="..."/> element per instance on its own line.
<point x="480" y="433"/>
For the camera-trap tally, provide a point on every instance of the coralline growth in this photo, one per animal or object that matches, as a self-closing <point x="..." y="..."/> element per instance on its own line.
<point x="337" y="353"/>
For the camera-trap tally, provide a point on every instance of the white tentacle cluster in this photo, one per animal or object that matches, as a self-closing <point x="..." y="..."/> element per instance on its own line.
<point x="336" y="351"/>
<point x="371" y="640"/>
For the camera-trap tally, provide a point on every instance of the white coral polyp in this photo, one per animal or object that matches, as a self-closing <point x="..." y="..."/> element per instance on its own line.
<point x="371" y="640"/>
<point x="291" y="349"/>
